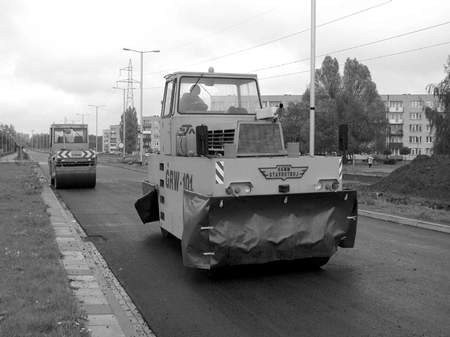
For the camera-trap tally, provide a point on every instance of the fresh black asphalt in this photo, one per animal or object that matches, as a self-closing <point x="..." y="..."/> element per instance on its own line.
<point x="395" y="282"/>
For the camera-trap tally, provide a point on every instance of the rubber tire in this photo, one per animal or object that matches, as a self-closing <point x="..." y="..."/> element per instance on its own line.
<point x="55" y="183"/>
<point x="52" y="181"/>
<point x="164" y="233"/>
<point x="92" y="182"/>
<point x="314" y="263"/>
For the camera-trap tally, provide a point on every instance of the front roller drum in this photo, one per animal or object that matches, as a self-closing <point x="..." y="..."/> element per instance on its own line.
<point x="78" y="180"/>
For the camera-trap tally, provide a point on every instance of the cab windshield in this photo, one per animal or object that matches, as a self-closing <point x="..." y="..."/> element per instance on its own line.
<point x="207" y="95"/>
<point x="70" y="135"/>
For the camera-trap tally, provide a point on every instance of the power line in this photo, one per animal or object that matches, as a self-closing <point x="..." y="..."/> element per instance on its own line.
<point x="286" y="74"/>
<point x="239" y="51"/>
<point x="358" y="46"/>
<point x="405" y="51"/>
<point x="227" y="28"/>
<point x="367" y="59"/>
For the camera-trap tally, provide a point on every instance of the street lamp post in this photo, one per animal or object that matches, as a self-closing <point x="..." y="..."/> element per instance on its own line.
<point x="312" y="102"/>
<point x="124" y="120"/>
<point x="96" y="124"/>
<point x="141" y="87"/>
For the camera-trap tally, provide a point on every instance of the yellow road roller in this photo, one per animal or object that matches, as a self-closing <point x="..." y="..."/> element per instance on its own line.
<point x="225" y="184"/>
<point x="71" y="163"/>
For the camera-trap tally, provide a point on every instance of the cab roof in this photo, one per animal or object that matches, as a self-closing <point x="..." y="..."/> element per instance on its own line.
<point x="178" y="74"/>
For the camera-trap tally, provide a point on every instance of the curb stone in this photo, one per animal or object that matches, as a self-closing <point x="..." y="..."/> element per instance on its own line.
<point x="406" y="221"/>
<point x="110" y="311"/>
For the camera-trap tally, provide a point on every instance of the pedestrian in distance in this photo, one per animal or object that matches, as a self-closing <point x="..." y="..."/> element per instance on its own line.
<point x="370" y="161"/>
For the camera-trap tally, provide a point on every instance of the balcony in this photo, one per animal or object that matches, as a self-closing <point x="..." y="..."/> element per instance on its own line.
<point x="394" y="146"/>
<point x="396" y="109"/>
<point x="396" y="133"/>
<point x="395" y="120"/>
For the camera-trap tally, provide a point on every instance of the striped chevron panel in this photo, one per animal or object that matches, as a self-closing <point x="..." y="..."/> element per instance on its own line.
<point x="75" y="154"/>
<point x="220" y="172"/>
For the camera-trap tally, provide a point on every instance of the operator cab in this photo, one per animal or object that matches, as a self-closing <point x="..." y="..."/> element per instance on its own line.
<point x="69" y="137"/>
<point x="225" y="109"/>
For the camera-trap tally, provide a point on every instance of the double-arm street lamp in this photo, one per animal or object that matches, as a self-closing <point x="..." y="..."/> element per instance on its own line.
<point x="141" y="86"/>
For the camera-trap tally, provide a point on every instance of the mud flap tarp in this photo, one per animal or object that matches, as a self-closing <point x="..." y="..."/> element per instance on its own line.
<point x="259" y="229"/>
<point x="147" y="207"/>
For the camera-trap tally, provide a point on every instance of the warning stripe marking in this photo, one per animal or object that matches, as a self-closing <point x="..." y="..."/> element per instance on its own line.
<point x="340" y="170"/>
<point x="220" y="172"/>
<point x="79" y="154"/>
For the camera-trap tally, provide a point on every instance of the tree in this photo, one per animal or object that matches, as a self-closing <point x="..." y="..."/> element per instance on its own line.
<point x="352" y="99"/>
<point x="362" y="108"/>
<point x="131" y="130"/>
<point x="439" y="117"/>
<point x="328" y="77"/>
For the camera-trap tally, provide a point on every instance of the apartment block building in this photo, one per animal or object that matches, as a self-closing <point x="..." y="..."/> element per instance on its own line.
<point x="111" y="139"/>
<point x="408" y="125"/>
<point x="151" y="133"/>
<point x="106" y="137"/>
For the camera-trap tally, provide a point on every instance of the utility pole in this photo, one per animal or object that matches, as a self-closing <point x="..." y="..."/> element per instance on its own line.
<point x="312" y="98"/>
<point x="123" y="118"/>
<point x="128" y="97"/>
<point x="96" y="124"/>
<point x="82" y="116"/>
<point x="141" y="87"/>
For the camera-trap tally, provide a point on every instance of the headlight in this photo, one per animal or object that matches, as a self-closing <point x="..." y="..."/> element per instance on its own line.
<point x="239" y="188"/>
<point x="328" y="185"/>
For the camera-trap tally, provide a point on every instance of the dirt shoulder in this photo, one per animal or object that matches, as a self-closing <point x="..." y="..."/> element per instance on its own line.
<point x="35" y="297"/>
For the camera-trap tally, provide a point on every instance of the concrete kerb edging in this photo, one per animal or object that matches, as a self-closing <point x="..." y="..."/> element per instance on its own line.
<point x="110" y="311"/>
<point x="406" y="221"/>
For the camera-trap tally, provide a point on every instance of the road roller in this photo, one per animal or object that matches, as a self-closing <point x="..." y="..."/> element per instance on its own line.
<point x="226" y="184"/>
<point x="71" y="163"/>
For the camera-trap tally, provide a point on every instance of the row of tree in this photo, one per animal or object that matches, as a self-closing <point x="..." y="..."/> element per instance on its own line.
<point x="353" y="99"/>
<point x="129" y="118"/>
<point x="350" y="99"/>
<point x="7" y="138"/>
<point x="440" y="118"/>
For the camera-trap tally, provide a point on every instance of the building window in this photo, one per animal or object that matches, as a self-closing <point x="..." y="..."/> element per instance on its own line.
<point x="417" y="104"/>
<point x="415" y="128"/>
<point x="415" y="115"/>
<point x="396" y="105"/>
<point x="415" y="139"/>
<point x="428" y="127"/>
<point x="429" y="139"/>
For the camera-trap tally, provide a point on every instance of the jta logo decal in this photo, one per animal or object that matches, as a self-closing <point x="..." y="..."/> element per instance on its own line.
<point x="283" y="172"/>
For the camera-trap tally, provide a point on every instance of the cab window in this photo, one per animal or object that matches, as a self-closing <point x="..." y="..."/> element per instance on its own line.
<point x="168" y="97"/>
<point x="208" y="95"/>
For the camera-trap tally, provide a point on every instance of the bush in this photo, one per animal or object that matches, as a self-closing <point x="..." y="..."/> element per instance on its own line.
<point x="390" y="161"/>
<point x="405" y="150"/>
<point x="421" y="157"/>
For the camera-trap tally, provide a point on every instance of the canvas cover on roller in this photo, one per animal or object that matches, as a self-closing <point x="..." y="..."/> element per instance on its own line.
<point x="220" y="231"/>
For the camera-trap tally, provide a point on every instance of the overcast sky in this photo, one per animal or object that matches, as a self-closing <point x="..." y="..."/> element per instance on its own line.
<point x="59" y="56"/>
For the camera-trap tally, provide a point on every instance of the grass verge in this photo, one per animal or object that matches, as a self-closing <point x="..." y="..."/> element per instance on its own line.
<point x="35" y="297"/>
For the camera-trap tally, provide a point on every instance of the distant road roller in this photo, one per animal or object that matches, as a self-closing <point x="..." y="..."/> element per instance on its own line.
<point x="228" y="188"/>
<point x="71" y="163"/>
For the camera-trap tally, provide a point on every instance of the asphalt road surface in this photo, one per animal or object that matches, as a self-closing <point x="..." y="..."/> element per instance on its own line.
<point x="395" y="282"/>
